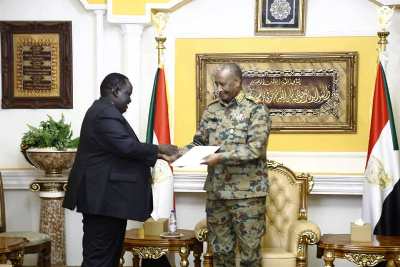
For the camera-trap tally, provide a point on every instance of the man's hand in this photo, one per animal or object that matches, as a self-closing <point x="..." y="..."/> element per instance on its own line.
<point x="170" y="159"/>
<point x="212" y="159"/>
<point x="168" y="150"/>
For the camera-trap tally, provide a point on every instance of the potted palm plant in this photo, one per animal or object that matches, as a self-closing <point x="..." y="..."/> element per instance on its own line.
<point x="50" y="147"/>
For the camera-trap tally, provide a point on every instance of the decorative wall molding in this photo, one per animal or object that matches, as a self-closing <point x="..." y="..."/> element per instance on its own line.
<point x="327" y="184"/>
<point x="146" y="18"/>
<point x="248" y="34"/>
<point x="335" y="173"/>
<point x="89" y="6"/>
<point x="324" y="184"/>
<point x="17" y="179"/>
<point x="390" y="3"/>
<point x="337" y="182"/>
<point x="189" y="184"/>
<point x="322" y="162"/>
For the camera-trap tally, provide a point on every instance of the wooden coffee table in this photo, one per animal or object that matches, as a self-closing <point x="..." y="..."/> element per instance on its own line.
<point x="12" y="249"/>
<point x="382" y="248"/>
<point x="153" y="247"/>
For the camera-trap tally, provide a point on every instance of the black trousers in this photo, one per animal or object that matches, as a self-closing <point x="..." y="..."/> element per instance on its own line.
<point x="103" y="239"/>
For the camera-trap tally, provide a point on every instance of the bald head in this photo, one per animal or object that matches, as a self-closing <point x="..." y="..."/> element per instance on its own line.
<point x="228" y="82"/>
<point x="233" y="69"/>
<point x="112" y="82"/>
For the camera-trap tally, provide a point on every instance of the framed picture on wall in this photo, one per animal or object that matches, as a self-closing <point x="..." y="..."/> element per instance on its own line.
<point x="36" y="64"/>
<point x="280" y="17"/>
<point x="305" y="92"/>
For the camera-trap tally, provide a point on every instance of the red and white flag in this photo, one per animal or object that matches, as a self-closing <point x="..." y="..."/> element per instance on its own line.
<point x="158" y="133"/>
<point x="381" y="198"/>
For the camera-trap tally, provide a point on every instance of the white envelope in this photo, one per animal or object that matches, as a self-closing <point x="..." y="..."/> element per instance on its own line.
<point x="195" y="156"/>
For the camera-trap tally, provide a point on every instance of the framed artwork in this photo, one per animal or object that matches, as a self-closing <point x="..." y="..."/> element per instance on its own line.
<point x="36" y="64"/>
<point x="280" y="17"/>
<point x="305" y="92"/>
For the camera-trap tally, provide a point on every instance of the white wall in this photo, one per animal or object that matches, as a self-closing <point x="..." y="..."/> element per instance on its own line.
<point x="15" y="120"/>
<point x="200" y="18"/>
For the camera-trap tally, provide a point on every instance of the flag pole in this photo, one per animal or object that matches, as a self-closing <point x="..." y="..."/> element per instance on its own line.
<point x="385" y="14"/>
<point x="160" y="50"/>
<point x="382" y="41"/>
<point x="160" y="20"/>
<point x="163" y="192"/>
<point x="381" y="188"/>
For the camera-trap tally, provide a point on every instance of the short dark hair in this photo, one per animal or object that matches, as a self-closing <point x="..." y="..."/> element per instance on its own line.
<point x="233" y="68"/>
<point x="111" y="82"/>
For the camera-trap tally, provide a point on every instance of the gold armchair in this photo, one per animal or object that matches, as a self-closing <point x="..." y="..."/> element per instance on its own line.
<point x="288" y="231"/>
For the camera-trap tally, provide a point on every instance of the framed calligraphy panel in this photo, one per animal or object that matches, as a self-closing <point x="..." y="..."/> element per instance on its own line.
<point x="280" y="17"/>
<point x="305" y="92"/>
<point x="36" y="63"/>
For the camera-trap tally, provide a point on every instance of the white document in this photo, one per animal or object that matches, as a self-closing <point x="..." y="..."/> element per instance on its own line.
<point x="195" y="156"/>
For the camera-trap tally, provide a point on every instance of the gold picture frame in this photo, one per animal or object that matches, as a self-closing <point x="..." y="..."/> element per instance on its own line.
<point x="36" y="62"/>
<point x="280" y="17"/>
<point x="305" y="92"/>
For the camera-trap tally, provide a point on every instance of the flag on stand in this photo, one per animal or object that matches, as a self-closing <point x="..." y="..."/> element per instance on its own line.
<point x="158" y="133"/>
<point x="158" y="123"/>
<point x="381" y="198"/>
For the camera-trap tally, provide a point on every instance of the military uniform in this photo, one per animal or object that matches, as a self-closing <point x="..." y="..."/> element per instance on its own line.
<point x="237" y="186"/>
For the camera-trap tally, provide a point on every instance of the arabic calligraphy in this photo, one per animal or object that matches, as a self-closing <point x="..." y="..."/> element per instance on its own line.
<point x="276" y="81"/>
<point x="308" y="95"/>
<point x="37" y="66"/>
<point x="294" y="92"/>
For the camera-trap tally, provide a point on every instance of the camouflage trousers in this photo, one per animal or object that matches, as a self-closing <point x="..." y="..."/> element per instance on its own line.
<point x="236" y="222"/>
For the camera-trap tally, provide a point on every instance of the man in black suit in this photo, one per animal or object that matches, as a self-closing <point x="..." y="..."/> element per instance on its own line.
<point x="110" y="179"/>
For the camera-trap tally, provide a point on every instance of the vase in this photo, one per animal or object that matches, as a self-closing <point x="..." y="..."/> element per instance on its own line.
<point x="53" y="162"/>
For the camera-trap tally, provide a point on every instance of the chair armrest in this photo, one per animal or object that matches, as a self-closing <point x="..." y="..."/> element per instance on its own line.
<point x="301" y="234"/>
<point x="201" y="230"/>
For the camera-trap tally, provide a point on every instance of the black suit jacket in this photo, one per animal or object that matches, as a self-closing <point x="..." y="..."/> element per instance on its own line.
<point x="111" y="172"/>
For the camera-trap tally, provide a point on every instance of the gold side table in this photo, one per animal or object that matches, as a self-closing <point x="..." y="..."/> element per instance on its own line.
<point x="153" y="247"/>
<point x="12" y="249"/>
<point x="382" y="248"/>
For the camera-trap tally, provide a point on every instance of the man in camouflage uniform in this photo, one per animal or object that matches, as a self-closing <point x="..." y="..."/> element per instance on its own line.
<point x="236" y="184"/>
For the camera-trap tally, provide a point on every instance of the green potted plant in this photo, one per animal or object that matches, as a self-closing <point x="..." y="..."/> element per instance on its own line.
<point x="50" y="146"/>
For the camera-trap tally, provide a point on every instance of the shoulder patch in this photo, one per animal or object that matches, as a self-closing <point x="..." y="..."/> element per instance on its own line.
<point x="213" y="102"/>
<point x="252" y="99"/>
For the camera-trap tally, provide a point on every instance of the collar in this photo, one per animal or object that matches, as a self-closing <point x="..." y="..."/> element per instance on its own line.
<point x="106" y="99"/>
<point x="236" y="100"/>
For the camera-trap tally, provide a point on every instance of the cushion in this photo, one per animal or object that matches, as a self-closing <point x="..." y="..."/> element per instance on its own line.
<point x="277" y="257"/>
<point x="277" y="253"/>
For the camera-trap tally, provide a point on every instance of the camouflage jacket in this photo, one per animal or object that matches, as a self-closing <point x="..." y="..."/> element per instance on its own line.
<point x="241" y="129"/>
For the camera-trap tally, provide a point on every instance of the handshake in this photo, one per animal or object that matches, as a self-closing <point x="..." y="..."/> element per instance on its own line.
<point x="169" y="152"/>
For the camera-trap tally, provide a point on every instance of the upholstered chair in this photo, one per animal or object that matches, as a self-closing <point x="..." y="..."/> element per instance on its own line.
<point x="37" y="242"/>
<point x="288" y="231"/>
